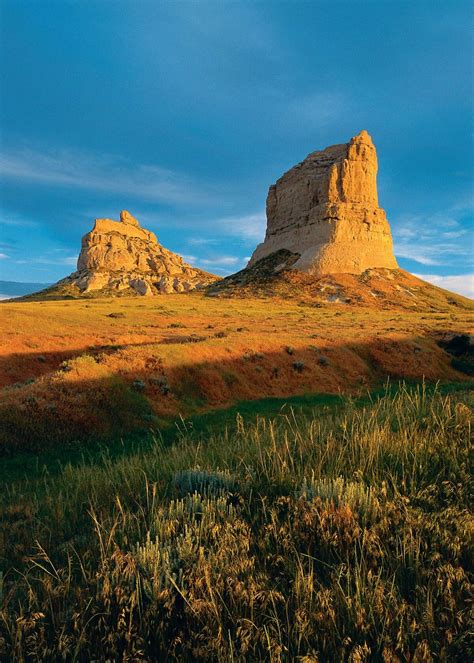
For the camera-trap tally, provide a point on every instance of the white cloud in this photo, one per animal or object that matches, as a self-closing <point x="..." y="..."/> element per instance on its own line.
<point x="463" y="284"/>
<point x="413" y="253"/>
<point x="221" y="271"/>
<point x="3" y="256"/>
<point x="201" y="241"/>
<point x="250" y="227"/>
<point x="9" y="219"/>
<point x="73" y="168"/>
<point x="438" y="239"/>
<point x="221" y="260"/>
<point x="41" y="260"/>
<point x="220" y="264"/>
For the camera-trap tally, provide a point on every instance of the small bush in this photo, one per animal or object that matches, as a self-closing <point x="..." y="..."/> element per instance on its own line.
<point x="162" y="383"/>
<point x="298" y="366"/>
<point x="339" y="492"/>
<point x="230" y="378"/>
<point x="463" y="365"/>
<point x="204" y="482"/>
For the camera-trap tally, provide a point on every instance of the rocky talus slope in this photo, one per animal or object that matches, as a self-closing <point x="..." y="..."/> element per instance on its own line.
<point x="122" y="258"/>
<point x="325" y="211"/>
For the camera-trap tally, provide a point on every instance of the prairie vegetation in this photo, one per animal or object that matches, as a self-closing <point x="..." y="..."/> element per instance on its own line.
<point x="342" y="536"/>
<point x="158" y="505"/>
<point x="75" y="371"/>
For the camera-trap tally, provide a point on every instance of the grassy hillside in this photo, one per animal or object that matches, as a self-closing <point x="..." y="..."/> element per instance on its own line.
<point x="375" y="288"/>
<point x="339" y="536"/>
<point x="76" y="371"/>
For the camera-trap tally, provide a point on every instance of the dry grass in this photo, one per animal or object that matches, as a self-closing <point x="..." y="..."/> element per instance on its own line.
<point x="338" y="538"/>
<point x="73" y="370"/>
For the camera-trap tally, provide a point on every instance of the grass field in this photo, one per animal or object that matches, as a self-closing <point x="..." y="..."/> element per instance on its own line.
<point x="73" y="371"/>
<point x="195" y="479"/>
<point x="339" y="536"/>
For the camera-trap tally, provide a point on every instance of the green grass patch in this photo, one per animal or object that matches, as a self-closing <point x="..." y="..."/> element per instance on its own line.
<point x="31" y="466"/>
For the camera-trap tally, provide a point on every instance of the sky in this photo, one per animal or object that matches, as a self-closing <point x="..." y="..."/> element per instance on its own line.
<point x="185" y="112"/>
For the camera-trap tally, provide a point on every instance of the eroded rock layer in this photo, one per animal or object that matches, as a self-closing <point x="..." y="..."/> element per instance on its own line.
<point x="120" y="256"/>
<point x="325" y="211"/>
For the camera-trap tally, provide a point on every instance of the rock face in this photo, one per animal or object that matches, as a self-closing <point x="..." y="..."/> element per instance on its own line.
<point x="325" y="212"/>
<point x="121" y="255"/>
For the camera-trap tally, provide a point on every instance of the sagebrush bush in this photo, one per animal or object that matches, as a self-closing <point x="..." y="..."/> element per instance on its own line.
<point x="338" y="492"/>
<point x="204" y="482"/>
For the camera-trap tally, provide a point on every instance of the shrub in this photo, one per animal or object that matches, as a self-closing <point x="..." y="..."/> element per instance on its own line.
<point x="230" y="378"/>
<point x="204" y="482"/>
<point x="162" y="383"/>
<point x="463" y="365"/>
<point x="338" y="492"/>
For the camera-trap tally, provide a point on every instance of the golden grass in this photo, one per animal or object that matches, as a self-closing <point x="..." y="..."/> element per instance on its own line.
<point x="344" y="537"/>
<point x="80" y="367"/>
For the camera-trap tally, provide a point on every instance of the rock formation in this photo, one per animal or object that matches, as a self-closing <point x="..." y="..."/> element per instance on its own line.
<point x="325" y="212"/>
<point x="120" y="256"/>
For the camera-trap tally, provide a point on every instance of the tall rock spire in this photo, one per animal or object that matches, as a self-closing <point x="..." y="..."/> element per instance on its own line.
<point x="325" y="210"/>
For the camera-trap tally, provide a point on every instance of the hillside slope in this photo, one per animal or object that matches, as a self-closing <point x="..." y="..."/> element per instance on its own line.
<point x="375" y="288"/>
<point x="89" y="369"/>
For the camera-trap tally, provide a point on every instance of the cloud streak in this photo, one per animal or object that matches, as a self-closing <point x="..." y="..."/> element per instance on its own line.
<point x="250" y="227"/>
<point x="42" y="260"/>
<point x="76" y="169"/>
<point x="434" y="240"/>
<point x="463" y="284"/>
<point x="224" y="261"/>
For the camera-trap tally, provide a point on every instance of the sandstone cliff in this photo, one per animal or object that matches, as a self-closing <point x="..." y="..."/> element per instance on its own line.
<point x="120" y="257"/>
<point x="325" y="212"/>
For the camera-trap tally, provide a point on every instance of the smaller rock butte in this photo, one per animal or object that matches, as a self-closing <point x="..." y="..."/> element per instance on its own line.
<point x="325" y="212"/>
<point x="121" y="255"/>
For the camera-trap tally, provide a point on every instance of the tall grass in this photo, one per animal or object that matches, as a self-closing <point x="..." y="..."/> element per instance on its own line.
<point x="343" y="537"/>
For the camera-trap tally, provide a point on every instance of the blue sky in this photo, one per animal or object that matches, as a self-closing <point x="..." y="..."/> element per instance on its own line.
<point x="185" y="112"/>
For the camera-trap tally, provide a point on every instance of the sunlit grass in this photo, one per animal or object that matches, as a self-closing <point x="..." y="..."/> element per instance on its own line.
<point x="340" y="536"/>
<point x="72" y="372"/>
